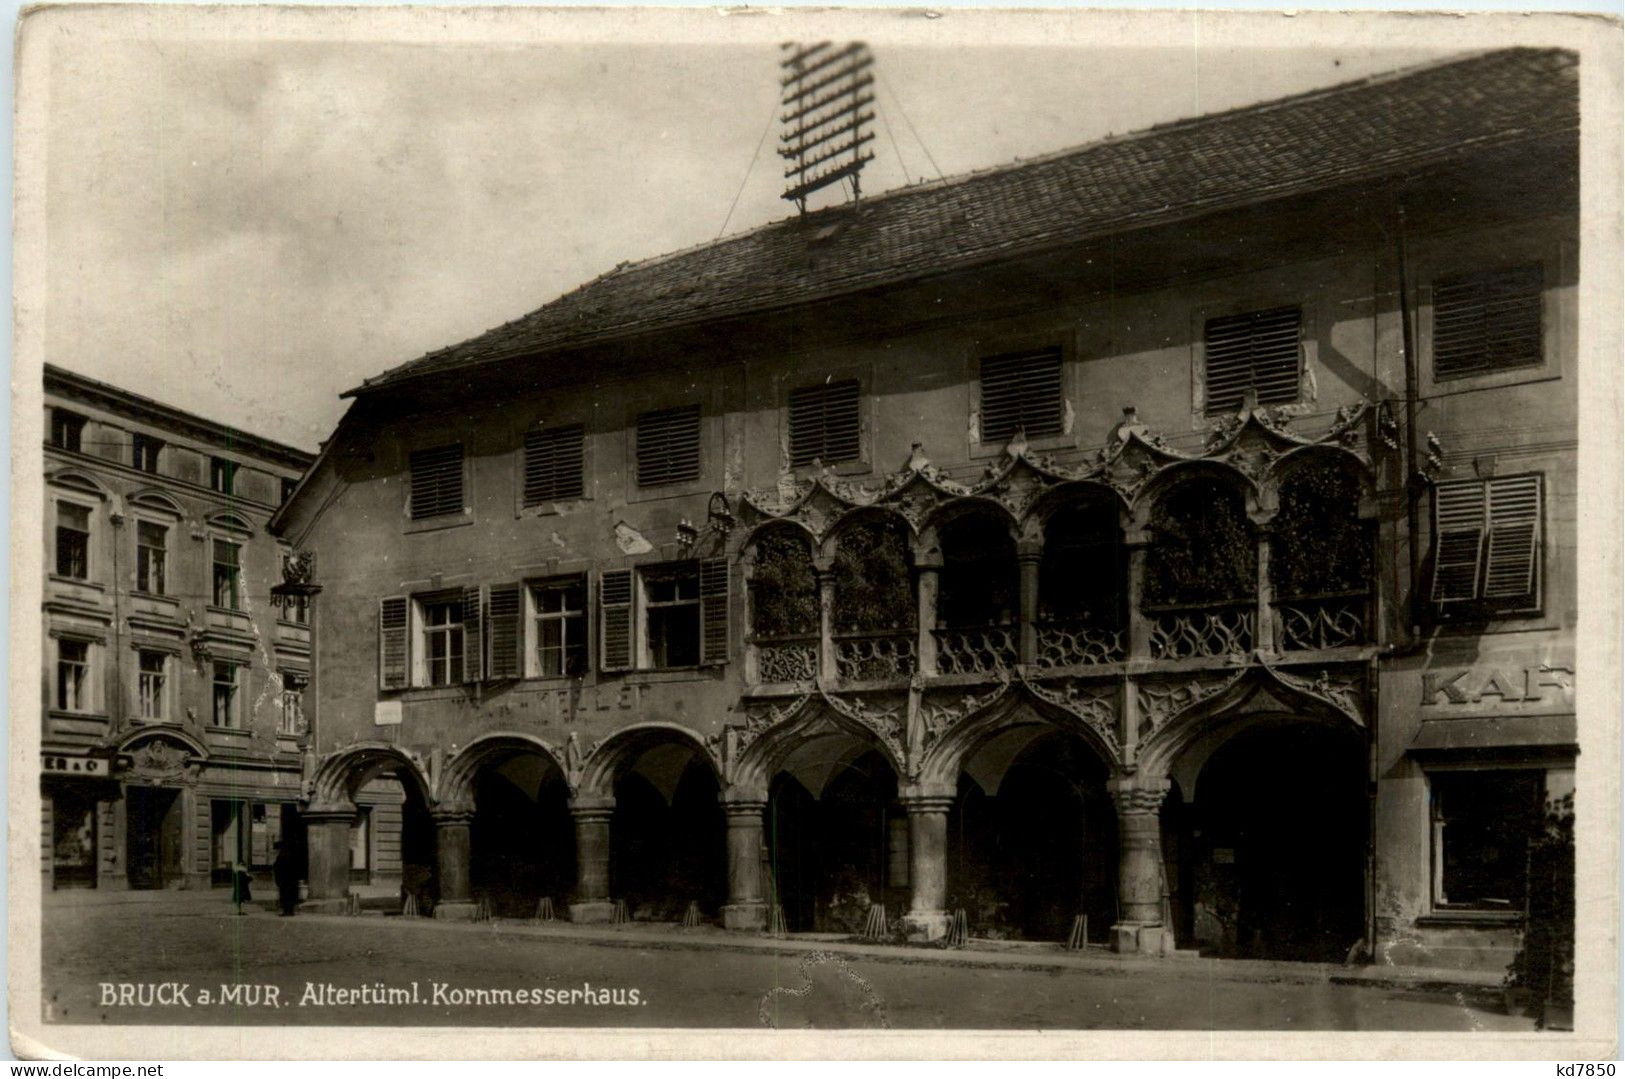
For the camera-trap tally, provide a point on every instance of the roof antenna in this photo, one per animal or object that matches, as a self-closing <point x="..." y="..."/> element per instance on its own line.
<point x="828" y="98"/>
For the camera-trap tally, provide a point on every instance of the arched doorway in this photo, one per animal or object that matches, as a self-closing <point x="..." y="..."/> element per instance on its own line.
<point x="522" y="843"/>
<point x="667" y="832"/>
<point x="1032" y="837"/>
<point x="837" y="840"/>
<point x="1270" y="843"/>
<point x="376" y="835"/>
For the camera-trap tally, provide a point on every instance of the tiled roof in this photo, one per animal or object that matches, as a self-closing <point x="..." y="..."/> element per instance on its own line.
<point x="1355" y="131"/>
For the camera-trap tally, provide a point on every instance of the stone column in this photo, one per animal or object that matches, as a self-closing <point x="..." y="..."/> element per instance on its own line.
<point x="1264" y="637"/>
<point x="1139" y="871"/>
<point x="453" y="851"/>
<point x="927" y="807"/>
<point x="327" y="852"/>
<point x="1029" y="556"/>
<point x="828" y="669"/>
<point x="592" y="902"/>
<point x="926" y="573"/>
<point x="746" y="908"/>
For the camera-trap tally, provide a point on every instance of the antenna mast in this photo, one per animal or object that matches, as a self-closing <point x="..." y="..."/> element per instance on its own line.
<point x="828" y="105"/>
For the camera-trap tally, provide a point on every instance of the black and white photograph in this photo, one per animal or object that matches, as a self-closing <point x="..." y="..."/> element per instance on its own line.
<point x="831" y="527"/>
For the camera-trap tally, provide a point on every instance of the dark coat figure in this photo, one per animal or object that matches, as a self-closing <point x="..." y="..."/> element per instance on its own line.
<point x="240" y="882"/>
<point x="286" y="872"/>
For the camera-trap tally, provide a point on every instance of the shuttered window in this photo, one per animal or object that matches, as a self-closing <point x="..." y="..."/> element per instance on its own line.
<point x="615" y="620"/>
<point x="506" y="631"/>
<point x="669" y="446"/>
<point x="1487" y="543"/>
<point x="1021" y="390"/>
<point x="437" y="481"/>
<point x="553" y="464"/>
<point x="1486" y="322"/>
<point x="714" y="611"/>
<point x="1257" y="351"/>
<point x="392" y="643"/>
<point x="824" y="423"/>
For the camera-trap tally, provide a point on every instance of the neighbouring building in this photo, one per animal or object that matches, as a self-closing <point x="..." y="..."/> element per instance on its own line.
<point x="172" y="689"/>
<point x="1175" y="533"/>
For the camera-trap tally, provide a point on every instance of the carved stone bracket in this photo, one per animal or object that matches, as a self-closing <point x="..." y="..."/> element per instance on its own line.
<point x="1161" y="700"/>
<point x="1094" y="702"/>
<point x="941" y="711"/>
<point x="886" y="717"/>
<point x="1343" y="688"/>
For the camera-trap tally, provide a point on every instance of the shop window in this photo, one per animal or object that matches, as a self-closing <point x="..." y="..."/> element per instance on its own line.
<point x="67" y="430"/>
<point x="1021" y="391"/>
<point x="73" y="840"/>
<point x="73" y="675"/>
<point x="824" y="423"/>
<point x="152" y="681"/>
<point x="72" y="541"/>
<point x="1486" y="322"/>
<point x="553" y="464"/>
<point x="226" y="695"/>
<point x="228" y="573"/>
<point x="436" y="481"/>
<point x="1483" y="823"/>
<point x="223" y="475"/>
<point x="668" y="446"/>
<point x="1258" y="351"/>
<point x="1487" y="546"/>
<point x="144" y="453"/>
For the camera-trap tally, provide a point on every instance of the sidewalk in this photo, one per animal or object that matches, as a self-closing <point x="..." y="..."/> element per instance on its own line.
<point x="1007" y="955"/>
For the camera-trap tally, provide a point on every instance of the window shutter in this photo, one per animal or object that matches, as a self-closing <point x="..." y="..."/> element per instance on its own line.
<point x="824" y="423"/>
<point x="1258" y="351"/>
<point x="553" y="466"/>
<point x="437" y="481"/>
<point x="669" y="446"/>
<point x="1487" y="322"/>
<point x="714" y="611"/>
<point x="1514" y="539"/>
<point x="1021" y="390"/>
<point x="615" y="620"/>
<point x="392" y="643"/>
<point x="507" y="634"/>
<point x="1458" y="530"/>
<point x="473" y="639"/>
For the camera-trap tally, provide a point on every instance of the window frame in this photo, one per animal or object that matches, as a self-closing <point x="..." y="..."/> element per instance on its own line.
<point x="710" y="402"/>
<point x="1301" y="375"/>
<point x="141" y="562"/>
<point x="1438" y="833"/>
<point x="237" y="683"/>
<point x="994" y="346"/>
<point x="533" y="616"/>
<point x="89" y="533"/>
<point x="292" y="690"/>
<point x="813" y="372"/>
<point x="142" y="445"/>
<point x="84" y="700"/>
<point x="70" y="420"/>
<point x="294" y="610"/>
<point x="463" y="513"/>
<point x="223" y="475"/>
<point x="1481" y="607"/>
<point x="643" y="604"/>
<point x="523" y="502"/>
<point x="422" y="628"/>
<point x="236" y="576"/>
<point x="1260" y="294"/>
<point x="161" y="700"/>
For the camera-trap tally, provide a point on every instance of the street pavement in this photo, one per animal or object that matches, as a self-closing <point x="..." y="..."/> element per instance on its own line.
<point x="127" y="962"/>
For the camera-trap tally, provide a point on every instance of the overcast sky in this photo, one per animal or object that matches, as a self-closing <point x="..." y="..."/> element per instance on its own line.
<point x="247" y="229"/>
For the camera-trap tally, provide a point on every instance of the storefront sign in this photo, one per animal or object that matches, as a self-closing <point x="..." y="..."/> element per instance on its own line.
<point x="55" y="764"/>
<point x="1498" y="685"/>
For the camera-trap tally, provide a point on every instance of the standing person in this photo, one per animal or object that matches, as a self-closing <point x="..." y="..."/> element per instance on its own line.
<point x="240" y="882"/>
<point x="286" y="873"/>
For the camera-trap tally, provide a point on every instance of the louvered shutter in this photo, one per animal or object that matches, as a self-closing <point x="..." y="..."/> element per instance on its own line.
<point x="393" y="635"/>
<point x="1487" y="322"/>
<point x="669" y="446"/>
<point x="1458" y="530"/>
<point x="714" y="611"/>
<point x="615" y="620"/>
<point x="1021" y="390"/>
<point x="1258" y="351"/>
<point x="504" y="613"/>
<point x="473" y="638"/>
<point x="437" y="481"/>
<point x="824" y="423"/>
<point x="553" y="464"/>
<point x="1514" y="538"/>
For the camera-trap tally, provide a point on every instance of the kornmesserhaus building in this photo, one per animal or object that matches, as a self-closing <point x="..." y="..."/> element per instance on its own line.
<point x="1175" y="532"/>
<point x="172" y="690"/>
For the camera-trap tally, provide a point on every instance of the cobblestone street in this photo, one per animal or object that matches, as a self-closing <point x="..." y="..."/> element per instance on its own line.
<point x="695" y="978"/>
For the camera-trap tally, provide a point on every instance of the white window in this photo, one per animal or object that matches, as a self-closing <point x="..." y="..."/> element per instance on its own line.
<point x="442" y="642"/>
<point x="227" y="696"/>
<point x="72" y="541"/>
<point x="228" y="572"/>
<point x="292" y="719"/>
<point x="152" y="679"/>
<point x="151" y="557"/>
<point x="73" y="675"/>
<point x="558" y="617"/>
